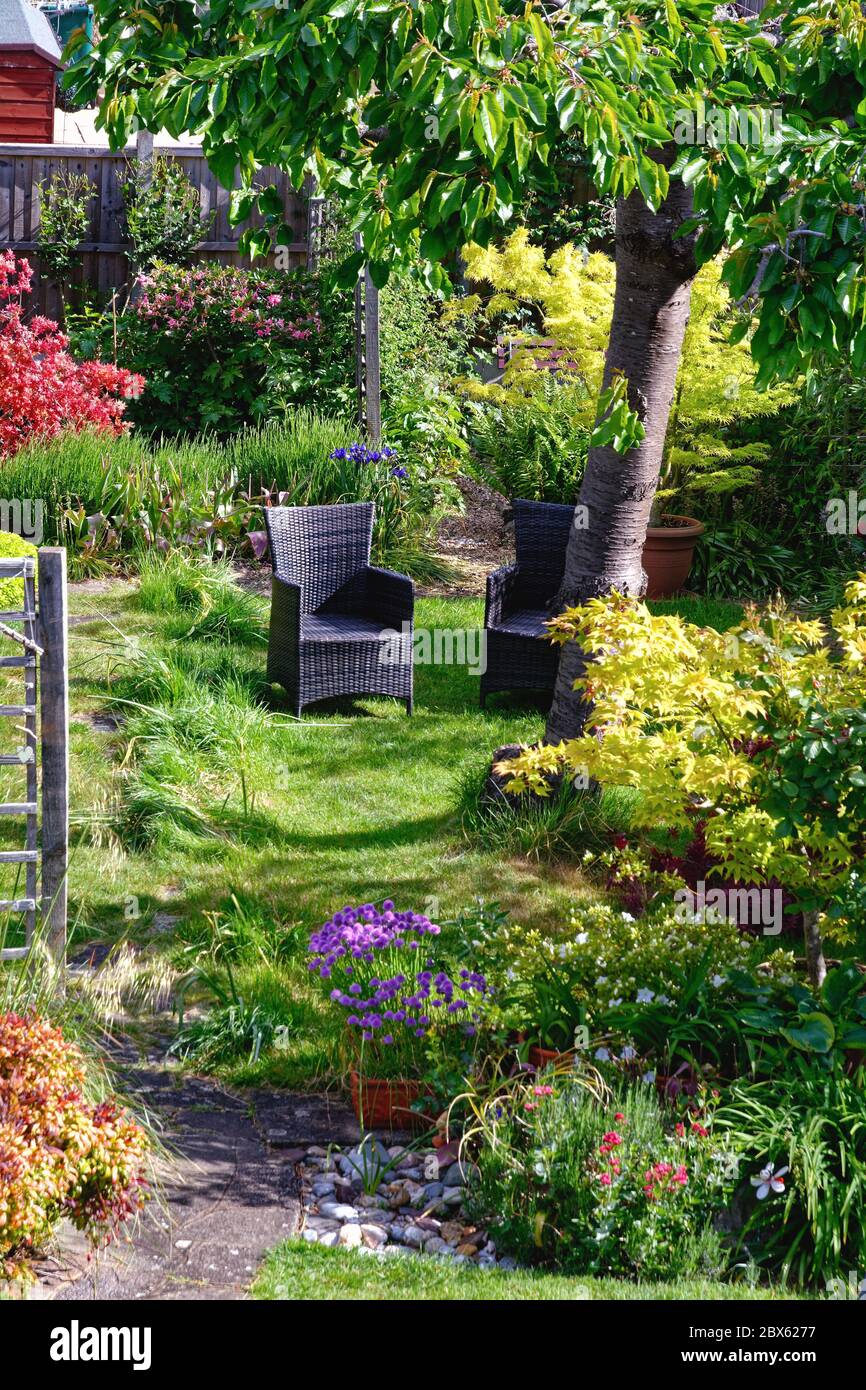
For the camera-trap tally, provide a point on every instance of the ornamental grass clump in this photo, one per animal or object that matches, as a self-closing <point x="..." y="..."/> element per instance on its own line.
<point x="398" y="1000"/>
<point x="60" y="1155"/>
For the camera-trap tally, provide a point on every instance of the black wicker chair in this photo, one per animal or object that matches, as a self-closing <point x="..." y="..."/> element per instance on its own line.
<point x="519" y="596"/>
<point x="334" y="616"/>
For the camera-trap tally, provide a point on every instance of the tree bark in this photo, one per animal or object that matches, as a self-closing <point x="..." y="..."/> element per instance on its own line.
<point x="815" y="963"/>
<point x="654" y="272"/>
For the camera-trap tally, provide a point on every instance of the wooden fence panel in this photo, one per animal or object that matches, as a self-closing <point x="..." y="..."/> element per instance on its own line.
<point x="103" y="261"/>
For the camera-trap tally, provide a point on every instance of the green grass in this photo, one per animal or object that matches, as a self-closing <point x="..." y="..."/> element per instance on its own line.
<point x="209" y="788"/>
<point x="704" y="612"/>
<point x="208" y="801"/>
<point x="298" y="1271"/>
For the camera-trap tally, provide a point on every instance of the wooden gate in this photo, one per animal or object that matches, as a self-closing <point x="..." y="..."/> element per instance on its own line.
<point x="39" y="722"/>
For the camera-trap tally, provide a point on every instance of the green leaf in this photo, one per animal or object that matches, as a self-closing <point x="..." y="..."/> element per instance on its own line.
<point x="536" y="103"/>
<point x="223" y="159"/>
<point x="254" y="242"/>
<point x="814" y="1034"/>
<point x="489" y="125"/>
<point x="271" y="201"/>
<point x="240" y="205"/>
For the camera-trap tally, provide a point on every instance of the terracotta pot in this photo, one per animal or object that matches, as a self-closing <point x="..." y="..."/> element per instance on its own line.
<point x="549" y="1057"/>
<point x="668" y="552"/>
<point x="387" y="1104"/>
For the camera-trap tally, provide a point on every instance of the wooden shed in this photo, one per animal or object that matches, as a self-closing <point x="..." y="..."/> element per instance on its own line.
<point x="29" y="59"/>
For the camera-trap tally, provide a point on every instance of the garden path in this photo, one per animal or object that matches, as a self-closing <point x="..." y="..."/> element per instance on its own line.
<point x="228" y="1191"/>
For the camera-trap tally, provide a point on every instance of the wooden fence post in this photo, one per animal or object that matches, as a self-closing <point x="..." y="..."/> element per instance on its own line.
<point x="144" y="156"/>
<point x="367" y="366"/>
<point x="54" y="708"/>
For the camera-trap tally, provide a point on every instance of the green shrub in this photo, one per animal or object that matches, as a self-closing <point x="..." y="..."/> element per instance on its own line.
<point x="11" y="547"/>
<point x="812" y="1123"/>
<point x="590" y="1182"/>
<point x="655" y="982"/>
<point x="219" y="346"/>
<point x="163" y="213"/>
<point x="776" y="536"/>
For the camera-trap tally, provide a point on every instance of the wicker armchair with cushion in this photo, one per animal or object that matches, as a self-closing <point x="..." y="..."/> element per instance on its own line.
<point x="335" y="618"/>
<point x="520" y="601"/>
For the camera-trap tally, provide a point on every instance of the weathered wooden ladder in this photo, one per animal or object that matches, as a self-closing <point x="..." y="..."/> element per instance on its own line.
<point x="43" y="641"/>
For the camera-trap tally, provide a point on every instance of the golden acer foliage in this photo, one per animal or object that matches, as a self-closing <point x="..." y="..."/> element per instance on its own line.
<point x="758" y="731"/>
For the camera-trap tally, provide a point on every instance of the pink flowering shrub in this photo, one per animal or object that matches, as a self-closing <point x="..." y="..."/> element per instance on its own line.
<point x="220" y="346"/>
<point x="43" y="390"/>
<point x="588" y="1183"/>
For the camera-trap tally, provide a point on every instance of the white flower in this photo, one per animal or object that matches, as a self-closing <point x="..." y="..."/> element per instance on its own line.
<point x="602" y="1054"/>
<point x="602" y="980"/>
<point x="626" y="917"/>
<point x="511" y="974"/>
<point x="717" y="981"/>
<point x="648" y="1077"/>
<point x="615" y="1003"/>
<point x="582" y="938"/>
<point x="628" y="1054"/>
<point x="769" y="1181"/>
<point x="645" y="996"/>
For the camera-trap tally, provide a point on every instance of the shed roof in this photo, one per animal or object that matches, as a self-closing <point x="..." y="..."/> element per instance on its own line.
<point x="22" y="26"/>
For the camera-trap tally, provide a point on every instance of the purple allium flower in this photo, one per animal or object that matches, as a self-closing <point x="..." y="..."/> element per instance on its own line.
<point x="389" y="989"/>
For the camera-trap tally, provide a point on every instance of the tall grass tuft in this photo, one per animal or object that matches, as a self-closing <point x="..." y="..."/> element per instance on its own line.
<point x="291" y="458"/>
<point x="203" y="596"/>
<point x="556" y="827"/>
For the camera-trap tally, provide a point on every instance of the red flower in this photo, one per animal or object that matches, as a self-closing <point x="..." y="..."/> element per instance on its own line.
<point x="43" y="390"/>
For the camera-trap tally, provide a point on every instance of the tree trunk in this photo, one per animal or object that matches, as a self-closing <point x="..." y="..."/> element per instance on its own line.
<point x="815" y="962"/>
<point x="654" y="271"/>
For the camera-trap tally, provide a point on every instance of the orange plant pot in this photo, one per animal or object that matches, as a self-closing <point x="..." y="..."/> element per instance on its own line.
<point x="549" y="1057"/>
<point x="668" y="553"/>
<point x="386" y="1104"/>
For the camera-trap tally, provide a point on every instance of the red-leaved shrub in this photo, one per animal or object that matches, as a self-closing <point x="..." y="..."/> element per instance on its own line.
<point x="42" y="389"/>
<point x="59" y="1154"/>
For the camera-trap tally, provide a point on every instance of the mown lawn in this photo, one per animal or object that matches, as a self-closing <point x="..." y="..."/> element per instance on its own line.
<point x="194" y="792"/>
<point x="298" y="1271"/>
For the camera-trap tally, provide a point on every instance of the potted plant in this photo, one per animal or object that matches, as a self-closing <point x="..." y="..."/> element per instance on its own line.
<point x="398" y="1003"/>
<point x="711" y="467"/>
